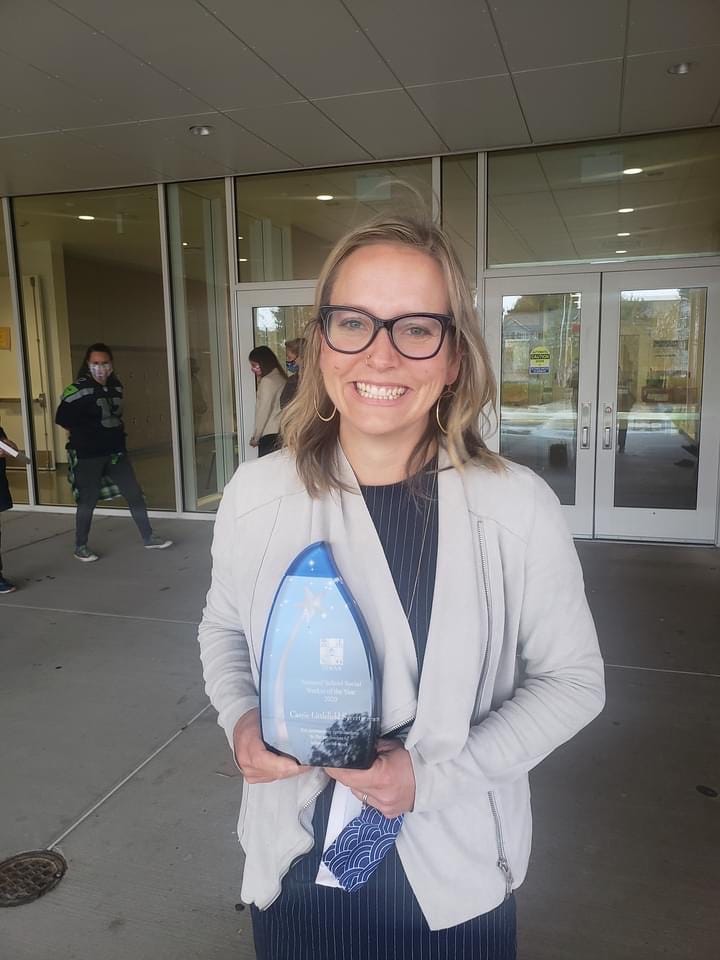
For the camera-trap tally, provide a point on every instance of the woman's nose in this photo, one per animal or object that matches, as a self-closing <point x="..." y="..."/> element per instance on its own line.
<point x="381" y="353"/>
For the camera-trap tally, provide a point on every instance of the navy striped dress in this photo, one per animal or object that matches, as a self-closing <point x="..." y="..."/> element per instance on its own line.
<point x="382" y="920"/>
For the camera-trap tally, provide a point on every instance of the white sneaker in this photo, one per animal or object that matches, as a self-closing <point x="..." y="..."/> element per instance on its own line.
<point x="85" y="554"/>
<point x="157" y="543"/>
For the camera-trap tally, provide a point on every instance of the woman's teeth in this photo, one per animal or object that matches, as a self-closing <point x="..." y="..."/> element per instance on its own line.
<point x="373" y="392"/>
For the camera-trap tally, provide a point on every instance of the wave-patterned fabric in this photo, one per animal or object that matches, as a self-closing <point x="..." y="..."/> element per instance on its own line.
<point x="360" y="848"/>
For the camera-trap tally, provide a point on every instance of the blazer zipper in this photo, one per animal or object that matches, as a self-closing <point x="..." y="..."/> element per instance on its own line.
<point x="502" y="862"/>
<point x="488" y="606"/>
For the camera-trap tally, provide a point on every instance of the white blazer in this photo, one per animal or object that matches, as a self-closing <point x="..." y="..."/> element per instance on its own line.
<point x="512" y="667"/>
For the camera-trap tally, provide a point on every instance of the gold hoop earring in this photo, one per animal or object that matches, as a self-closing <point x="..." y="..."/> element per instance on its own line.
<point x="319" y="415"/>
<point x="445" y="395"/>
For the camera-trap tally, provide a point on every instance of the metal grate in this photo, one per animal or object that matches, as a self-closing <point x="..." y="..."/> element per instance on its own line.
<point x="27" y="876"/>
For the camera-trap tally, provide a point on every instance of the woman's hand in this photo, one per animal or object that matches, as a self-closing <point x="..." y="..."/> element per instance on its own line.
<point x="254" y="442"/>
<point x="388" y="785"/>
<point x="257" y="763"/>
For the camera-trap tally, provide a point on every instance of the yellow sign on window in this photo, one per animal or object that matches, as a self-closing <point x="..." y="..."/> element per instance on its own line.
<point x="539" y="360"/>
<point x="4" y="338"/>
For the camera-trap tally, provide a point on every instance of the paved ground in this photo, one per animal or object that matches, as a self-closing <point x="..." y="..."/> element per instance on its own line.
<point x="108" y="750"/>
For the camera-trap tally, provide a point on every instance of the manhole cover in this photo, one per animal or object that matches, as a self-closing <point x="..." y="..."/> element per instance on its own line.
<point x="27" y="876"/>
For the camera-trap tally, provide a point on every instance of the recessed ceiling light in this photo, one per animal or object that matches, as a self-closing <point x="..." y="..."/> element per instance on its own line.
<point x="184" y="243"/>
<point x="202" y="130"/>
<point x="680" y="69"/>
<point x="631" y="171"/>
<point x="621" y="251"/>
<point x="324" y="196"/>
<point x="626" y="210"/>
<point x="623" y="234"/>
<point x="85" y="216"/>
<point x="241" y="238"/>
<point x="242" y="259"/>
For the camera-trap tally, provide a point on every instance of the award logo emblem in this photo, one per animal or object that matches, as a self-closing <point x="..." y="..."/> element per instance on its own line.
<point x="319" y="692"/>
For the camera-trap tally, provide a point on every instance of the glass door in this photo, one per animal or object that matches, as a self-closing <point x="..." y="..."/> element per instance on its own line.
<point x="269" y="317"/>
<point x="659" y="428"/>
<point x="542" y="333"/>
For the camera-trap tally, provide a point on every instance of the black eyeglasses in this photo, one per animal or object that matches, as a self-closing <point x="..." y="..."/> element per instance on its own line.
<point x="417" y="336"/>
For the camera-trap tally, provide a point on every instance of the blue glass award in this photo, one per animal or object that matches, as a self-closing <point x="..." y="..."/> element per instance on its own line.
<point x="319" y="692"/>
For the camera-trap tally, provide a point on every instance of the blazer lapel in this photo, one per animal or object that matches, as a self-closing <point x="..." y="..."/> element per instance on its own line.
<point x="457" y="638"/>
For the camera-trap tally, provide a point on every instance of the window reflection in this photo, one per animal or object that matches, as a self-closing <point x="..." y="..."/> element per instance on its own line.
<point x="459" y="209"/>
<point x="575" y="203"/>
<point x="539" y="386"/>
<point x="659" y="397"/>
<point x="201" y="315"/>
<point x="289" y="222"/>
<point x="91" y="271"/>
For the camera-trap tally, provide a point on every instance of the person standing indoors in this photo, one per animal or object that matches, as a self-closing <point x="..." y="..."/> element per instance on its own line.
<point x="293" y="362"/>
<point x="468" y="579"/>
<point x="91" y="411"/>
<point x="270" y="382"/>
<point x="5" y="504"/>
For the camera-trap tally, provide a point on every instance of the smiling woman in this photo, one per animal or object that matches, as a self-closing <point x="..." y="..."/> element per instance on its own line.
<point x="461" y="566"/>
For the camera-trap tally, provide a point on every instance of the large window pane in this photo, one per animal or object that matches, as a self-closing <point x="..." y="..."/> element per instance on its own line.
<point x="660" y="364"/>
<point x="459" y="209"/>
<point x="645" y="197"/>
<point x="203" y="342"/>
<point x="539" y="386"/>
<point x="91" y="271"/>
<point x="10" y="409"/>
<point x="285" y="228"/>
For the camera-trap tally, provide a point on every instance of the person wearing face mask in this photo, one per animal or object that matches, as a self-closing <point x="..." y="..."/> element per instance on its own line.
<point x="293" y="361"/>
<point x="91" y="411"/>
<point x="270" y="382"/>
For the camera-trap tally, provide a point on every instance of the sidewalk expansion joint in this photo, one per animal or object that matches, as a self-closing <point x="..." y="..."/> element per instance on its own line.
<point x="119" y="786"/>
<point x="677" y="673"/>
<point x="98" y="613"/>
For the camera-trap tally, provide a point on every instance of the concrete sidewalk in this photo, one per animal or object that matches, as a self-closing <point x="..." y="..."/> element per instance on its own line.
<point x="110" y="751"/>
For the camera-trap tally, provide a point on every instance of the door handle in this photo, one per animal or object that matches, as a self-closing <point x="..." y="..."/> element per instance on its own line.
<point x="608" y="418"/>
<point x="585" y="418"/>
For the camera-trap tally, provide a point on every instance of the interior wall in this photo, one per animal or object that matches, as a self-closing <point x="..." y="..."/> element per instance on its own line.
<point x="122" y="305"/>
<point x="10" y="411"/>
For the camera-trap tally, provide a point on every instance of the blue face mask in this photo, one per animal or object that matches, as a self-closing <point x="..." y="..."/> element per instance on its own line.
<point x="292" y="366"/>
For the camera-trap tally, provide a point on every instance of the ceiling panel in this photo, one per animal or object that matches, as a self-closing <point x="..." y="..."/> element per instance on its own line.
<point x="557" y="32"/>
<point x="46" y="37"/>
<point x="43" y="103"/>
<point x="303" y="132"/>
<point x="424" y="41"/>
<point x="473" y="114"/>
<point x="315" y="44"/>
<point x="75" y="165"/>
<point x="654" y="99"/>
<point x="237" y="149"/>
<point x="183" y="40"/>
<point x="135" y="142"/>
<point x="181" y="156"/>
<point x="387" y="124"/>
<point x="568" y="103"/>
<point x="657" y="25"/>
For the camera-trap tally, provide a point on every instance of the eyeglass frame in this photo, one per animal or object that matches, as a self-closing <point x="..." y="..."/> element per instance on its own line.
<point x="446" y="322"/>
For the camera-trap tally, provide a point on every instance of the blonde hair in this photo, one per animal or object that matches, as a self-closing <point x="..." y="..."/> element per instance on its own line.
<point x="460" y="409"/>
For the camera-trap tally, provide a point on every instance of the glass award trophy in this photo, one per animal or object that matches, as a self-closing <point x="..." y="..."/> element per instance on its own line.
<point x="319" y="693"/>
